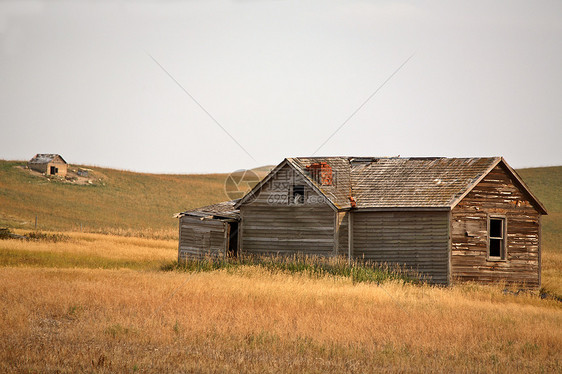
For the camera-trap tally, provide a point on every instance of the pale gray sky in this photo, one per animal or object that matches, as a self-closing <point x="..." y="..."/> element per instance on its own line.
<point x="76" y="78"/>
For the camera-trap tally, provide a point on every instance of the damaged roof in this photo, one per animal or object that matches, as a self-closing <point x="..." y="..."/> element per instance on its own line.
<point x="400" y="182"/>
<point x="338" y="192"/>
<point x="45" y="158"/>
<point x="416" y="182"/>
<point x="224" y="210"/>
<point x="386" y="182"/>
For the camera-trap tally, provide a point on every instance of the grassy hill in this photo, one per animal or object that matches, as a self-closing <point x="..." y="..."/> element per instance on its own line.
<point x="123" y="201"/>
<point x="116" y="200"/>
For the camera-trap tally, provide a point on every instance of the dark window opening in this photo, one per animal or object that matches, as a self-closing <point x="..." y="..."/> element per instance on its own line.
<point x="495" y="247"/>
<point x="298" y="194"/>
<point x="496" y="237"/>
<point x="53" y="170"/>
<point x="233" y="239"/>
<point x="496" y="228"/>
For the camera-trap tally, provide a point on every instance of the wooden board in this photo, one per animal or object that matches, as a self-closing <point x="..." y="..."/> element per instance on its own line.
<point x="201" y="238"/>
<point x="271" y="224"/>
<point x="418" y="240"/>
<point x="496" y="194"/>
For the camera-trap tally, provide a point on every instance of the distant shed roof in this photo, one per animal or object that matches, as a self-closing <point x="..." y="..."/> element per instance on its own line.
<point x="45" y="158"/>
<point x="221" y="210"/>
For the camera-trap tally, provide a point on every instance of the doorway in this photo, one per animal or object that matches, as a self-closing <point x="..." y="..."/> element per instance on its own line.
<point x="233" y="239"/>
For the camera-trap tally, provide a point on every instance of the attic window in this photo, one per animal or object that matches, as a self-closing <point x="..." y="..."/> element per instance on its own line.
<point x="298" y="194"/>
<point x="496" y="238"/>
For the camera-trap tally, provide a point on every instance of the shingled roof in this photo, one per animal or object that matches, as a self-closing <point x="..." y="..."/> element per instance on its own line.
<point x="45" y="158"/>
<point x="338" y="192"/>
<point x="416" y="182"/>
<point x="401" y="182"/>
<point x="221" y="210"/>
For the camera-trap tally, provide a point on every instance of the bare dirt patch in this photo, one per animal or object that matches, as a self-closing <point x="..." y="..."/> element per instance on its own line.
<point x="74" y="175"/>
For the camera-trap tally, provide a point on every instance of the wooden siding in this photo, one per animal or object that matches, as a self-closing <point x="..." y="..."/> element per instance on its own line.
<point x="343" y="234"/>
<point x="41" y="168"/>
<point x="272" y="225"/>
<point x="496" y="194"/>
<point x="62" y="168"/>
<point x="419" y="240"/>
<point x="201" y="238"/>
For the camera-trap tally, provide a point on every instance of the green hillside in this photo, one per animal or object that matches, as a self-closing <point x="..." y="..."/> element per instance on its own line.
<point x="115" y="201"/>
<point x="136" y="202"/>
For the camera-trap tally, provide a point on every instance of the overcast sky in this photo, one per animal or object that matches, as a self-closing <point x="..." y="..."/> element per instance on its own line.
<point x="77" y="78"/>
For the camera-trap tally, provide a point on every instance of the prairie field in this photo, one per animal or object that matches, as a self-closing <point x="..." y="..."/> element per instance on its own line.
<point x="100" y="292"/>
<point x="118" y="202"/>
<point x="103" y="303"/>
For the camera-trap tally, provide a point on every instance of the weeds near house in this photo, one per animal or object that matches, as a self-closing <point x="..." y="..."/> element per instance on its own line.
<point x="47" y="237"/>
<point x="311" y="266"/>
<point x="6" y="233"/>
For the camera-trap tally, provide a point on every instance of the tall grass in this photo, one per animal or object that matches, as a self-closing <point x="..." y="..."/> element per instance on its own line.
<point x="94" y="320"/>
<point x="312" y="266"/>
<point x="85" y="250"/>
<point x="102" y="303"/>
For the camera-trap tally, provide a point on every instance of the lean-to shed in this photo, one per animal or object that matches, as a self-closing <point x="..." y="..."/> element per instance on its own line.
<point x="49" y="164"/>
<point x="210" y="231"/>
<point x="452" y="219"/>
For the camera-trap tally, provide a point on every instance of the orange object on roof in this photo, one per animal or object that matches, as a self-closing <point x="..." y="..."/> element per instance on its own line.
<point x="322" y="173"/>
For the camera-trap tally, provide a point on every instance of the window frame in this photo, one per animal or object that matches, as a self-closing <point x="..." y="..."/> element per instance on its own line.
<point x="292" y="195"/>
<point x="503" y="249"/>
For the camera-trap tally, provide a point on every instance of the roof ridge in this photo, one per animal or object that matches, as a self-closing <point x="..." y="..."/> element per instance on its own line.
<point x="404" y="182"/>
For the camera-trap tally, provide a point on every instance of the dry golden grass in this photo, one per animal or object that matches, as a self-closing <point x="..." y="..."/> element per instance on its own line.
<point x="56" y="318"/>
<point x="86" y="250"/>
<point x="552" y="272"/>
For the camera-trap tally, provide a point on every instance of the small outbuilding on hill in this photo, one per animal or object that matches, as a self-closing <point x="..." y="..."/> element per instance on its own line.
<point x="49" y="164"/>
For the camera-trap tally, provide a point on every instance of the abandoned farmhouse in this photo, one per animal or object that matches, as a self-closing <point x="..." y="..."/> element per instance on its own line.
<point x="451" y="219"/>
<point x="49" y="164"/>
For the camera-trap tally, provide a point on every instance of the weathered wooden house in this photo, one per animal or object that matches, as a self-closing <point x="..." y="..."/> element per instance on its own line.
<point x="209" y="231"/>
<point x="452" y="219"/>
<point x="49" y="164"/>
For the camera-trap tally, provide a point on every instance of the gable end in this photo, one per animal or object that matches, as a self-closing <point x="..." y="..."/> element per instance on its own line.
<point x="255" y="191"/>
<point x="514" y="178"/>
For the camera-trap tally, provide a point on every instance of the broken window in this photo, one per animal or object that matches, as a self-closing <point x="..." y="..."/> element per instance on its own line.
<point x="298" y="194"/>
<point x="496" y="237"/>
